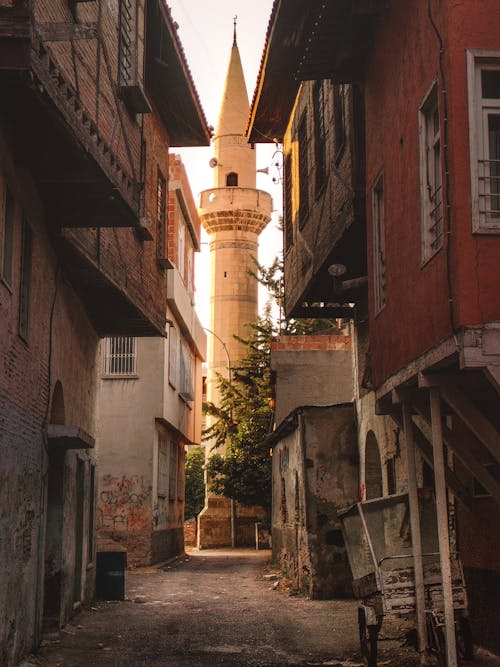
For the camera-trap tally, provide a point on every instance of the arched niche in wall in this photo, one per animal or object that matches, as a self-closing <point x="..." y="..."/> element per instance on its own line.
<point x="231" y="179"/>
<point x="57" y="411"/>
<point x="373" y="467"/>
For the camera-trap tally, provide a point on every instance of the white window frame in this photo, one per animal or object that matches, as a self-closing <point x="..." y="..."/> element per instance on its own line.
<point x="431" y="177"/>
<point x="378" y="229"/>
<point x="122" y="363"/>
<point x="173" y="356"/>
<point x="479" y="109"/>
<point x="181" y="245"/>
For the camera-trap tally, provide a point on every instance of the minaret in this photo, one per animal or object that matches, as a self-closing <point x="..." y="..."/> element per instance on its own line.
<point x="233" y="212"/>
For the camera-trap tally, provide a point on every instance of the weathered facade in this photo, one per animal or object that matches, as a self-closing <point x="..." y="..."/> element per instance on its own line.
<point x="315" y="473"/>
<point x="315" y="460"/>
<point x="75" y="266"/>
<point x="149" y="405"/>
<point x="427" y="352"/>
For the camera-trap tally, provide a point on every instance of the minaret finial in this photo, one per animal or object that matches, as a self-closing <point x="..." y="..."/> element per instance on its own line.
<point x="235" y="18"/>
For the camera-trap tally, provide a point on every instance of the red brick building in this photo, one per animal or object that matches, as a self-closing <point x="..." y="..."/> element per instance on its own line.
<point x="428" y="78"/>
<point x="87" y="115"/>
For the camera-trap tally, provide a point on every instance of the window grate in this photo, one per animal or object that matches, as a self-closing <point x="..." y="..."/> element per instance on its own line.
<point x="120" y="355"/>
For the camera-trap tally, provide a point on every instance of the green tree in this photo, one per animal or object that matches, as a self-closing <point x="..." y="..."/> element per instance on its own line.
<point x="194" y="482"/>
<point x="243" y="419"/>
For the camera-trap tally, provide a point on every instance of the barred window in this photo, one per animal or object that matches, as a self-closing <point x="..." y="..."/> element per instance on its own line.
<point x="161" y="198"/>
<point x="186" y="388"/>
<point x="339" y="118"/>
<point x="484" y="122"/>
<point x="319" y="134"/>
<point x="287" y="198"/>
<point x="120" y="355"/>
<point x="430" y="176"/>
<point x="303" y="171"/>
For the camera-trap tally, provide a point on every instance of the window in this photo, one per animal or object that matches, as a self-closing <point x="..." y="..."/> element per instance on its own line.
<point x="181" y="248"/>
<point x="25" y="284"/>
<point x="379" y="282"/>
<point x="186" y="390"/>
<point x="172" y="356"/>
<point x="161" y="237"/>
<point x="431" y="191"/>
<point x="484" y="123"/>
<point x="231" y="180"/>
<point x="319" y="134"/>
<point x="190" y="271"/>
<point x="339" y="118"/>
<point x="8" y="238"/>
<point x="287" y="199"/>
<point x="162" y="466"/>
<point x="303" y="172"/>
<point x="390" y="467"/>
<point x="120" y="355"/>
<point x="131" y="55"/>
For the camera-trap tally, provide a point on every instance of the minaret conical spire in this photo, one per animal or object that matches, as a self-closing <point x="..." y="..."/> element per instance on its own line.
<point x="232" y="152"/>
<point x="235" y="105"/>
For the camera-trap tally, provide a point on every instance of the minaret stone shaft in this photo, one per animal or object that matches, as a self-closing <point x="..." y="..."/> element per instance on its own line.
<point x="233" y="212"/>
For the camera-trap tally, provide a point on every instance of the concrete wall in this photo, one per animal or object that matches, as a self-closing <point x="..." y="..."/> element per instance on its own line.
<point x="315" y="473"/>
<point x="311" y="370"/>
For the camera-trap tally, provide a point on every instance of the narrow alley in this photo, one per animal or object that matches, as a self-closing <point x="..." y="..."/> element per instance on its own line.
<point x="213" y="607"/>
<point x="217" y="607"/>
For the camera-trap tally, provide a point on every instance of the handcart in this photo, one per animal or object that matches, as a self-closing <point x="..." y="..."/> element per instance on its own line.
<point x="378" y="542"/>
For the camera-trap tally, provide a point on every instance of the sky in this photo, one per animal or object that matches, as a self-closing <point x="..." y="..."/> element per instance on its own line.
<point x="206" y="33"/>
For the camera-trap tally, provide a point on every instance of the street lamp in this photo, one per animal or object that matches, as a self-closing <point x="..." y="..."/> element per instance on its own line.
<point x="225" y="350"/>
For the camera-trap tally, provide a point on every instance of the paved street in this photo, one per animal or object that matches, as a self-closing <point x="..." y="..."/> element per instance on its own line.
<point x="215" y="608"/>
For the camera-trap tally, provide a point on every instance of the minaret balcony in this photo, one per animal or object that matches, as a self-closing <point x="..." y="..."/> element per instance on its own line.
<point x="245" y="209"/>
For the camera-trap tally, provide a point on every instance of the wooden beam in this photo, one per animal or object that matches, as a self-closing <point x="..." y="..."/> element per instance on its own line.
<point x="416" y="537"/>
<point x="463" y="446"/>
<point x="422" y="440"/>
<point x="443" y="530"/>
<point x="482" y="428"/>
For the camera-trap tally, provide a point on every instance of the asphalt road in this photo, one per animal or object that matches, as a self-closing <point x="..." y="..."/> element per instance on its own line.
<point x="217" y="608"/>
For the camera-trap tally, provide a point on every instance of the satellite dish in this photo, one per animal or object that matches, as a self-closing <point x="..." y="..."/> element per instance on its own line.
<point x="213" y="162"/>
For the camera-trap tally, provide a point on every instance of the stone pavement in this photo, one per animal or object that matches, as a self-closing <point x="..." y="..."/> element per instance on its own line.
<point x="221" y="608"/>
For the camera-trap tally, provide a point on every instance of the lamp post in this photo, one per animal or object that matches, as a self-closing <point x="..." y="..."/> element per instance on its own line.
<point x="224" y="347"/>
<point x="233" y="504"/>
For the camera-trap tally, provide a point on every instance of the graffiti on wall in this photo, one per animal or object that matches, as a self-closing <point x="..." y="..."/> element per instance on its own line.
<point x="124" y="503"/>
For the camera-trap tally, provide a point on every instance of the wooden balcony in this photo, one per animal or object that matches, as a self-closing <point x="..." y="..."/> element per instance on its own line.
<point x="81" y="178"/>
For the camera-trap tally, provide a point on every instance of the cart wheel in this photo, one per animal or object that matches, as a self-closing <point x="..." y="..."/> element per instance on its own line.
<point x="435" y="638"/>
<point x="368" y="635"/>
<point x="465" y="645"/>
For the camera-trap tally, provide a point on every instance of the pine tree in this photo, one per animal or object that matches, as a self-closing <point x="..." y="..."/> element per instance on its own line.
<point x="243" y="419"/>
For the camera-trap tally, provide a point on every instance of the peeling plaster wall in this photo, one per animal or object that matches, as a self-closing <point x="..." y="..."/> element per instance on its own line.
<point x="315" y="473"/>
